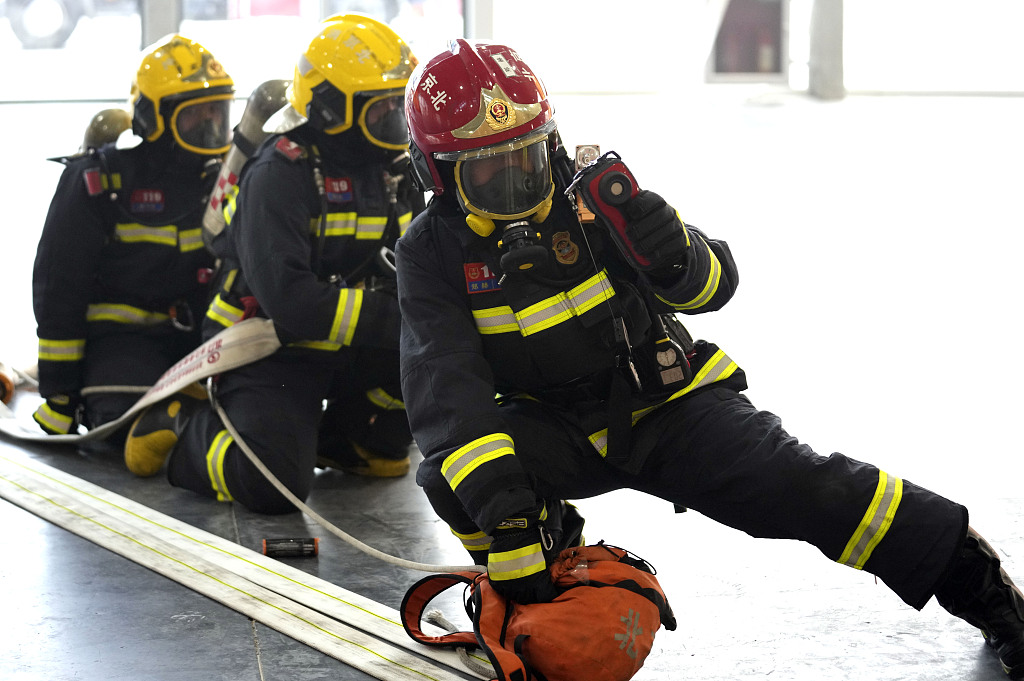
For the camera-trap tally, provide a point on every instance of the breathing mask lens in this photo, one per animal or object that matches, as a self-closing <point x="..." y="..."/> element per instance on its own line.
<point x="505" y="183"/>
<point x="383" y="122"/>
<point x="203" y="125"/>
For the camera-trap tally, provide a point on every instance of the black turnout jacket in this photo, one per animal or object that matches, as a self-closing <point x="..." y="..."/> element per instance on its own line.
<point x="474" y="336"/>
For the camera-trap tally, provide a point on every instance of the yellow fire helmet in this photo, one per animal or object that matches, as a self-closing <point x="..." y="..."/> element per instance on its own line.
<point x="354" y="72"/>
<point x="180" y="87"/>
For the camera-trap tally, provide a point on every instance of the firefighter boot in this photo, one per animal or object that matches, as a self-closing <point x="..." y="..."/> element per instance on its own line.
<point x="354" y="458"/>
<point x="979" y="592"/>
<point x="157" y="429"/>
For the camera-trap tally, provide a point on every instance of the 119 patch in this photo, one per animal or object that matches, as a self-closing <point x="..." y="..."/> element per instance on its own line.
<point x="147" y="201"/>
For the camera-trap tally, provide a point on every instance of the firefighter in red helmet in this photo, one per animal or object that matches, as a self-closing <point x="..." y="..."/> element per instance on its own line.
<point x="507" y="289"/>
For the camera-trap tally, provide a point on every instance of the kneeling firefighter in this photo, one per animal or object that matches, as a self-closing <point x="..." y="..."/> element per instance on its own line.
<point x="505" y="292"/>
<point x="121" y="275"/>
<point x="308" y="228"/>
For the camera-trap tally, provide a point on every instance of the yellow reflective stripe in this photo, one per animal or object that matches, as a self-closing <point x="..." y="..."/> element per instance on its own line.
<point x="403" y="222"/>
<point x="590" y="293"/>
<point x="229" y="280"/>
<point x="710" y="287"/>
<point x="123" y="314"/>
<point x="495" y="320"/>
<point x="230" y="203"/>
<point x="718" y="368"/>
<point x="382" y="399"/>
<point x="546" y="313"/>
<point x="371" y="227"/>
<point x="55" y="420"/>
<point x="521" y="562"/>
<point x="62" y="350"/>
<point x="350" y="302"/>
<point x="190" y="240"/>
<point x="224" y="313"/>
<point x="338" y="224"/>
<point x="133" y="232"/>
<point x="468" y="458"/>
<point x="477" y="541"/>
<point x="317" y="345"/>
<point x="113" y="181"/>
<point x="215" y="464"/>
<point x="875" y="523"/>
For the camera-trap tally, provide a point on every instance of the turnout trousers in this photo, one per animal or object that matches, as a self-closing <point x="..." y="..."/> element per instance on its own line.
<point x="277" y="405"/>
<point x="133" y="357"/>
<point x="715" y="453"/>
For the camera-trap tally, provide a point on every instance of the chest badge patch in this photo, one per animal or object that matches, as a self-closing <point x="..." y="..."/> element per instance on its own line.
<point x="147" y="200"/>
<point x="339" y="189"/>
<point x="479" y="278"/>
<point x="566" y="252"/>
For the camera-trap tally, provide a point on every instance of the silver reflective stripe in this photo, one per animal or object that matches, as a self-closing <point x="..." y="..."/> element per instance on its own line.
<point x="477" y="541"/>
<point x="224" y="313"/>
<point x="875" y="523"/>
<point x="57" y="422"/>
<point x="350" y="302"/>
<point x="371" y="227"/>
<point x="495" y="320"/>
<point x="468" y="458"/>
<point x="215" y="464"/>
<point x="135" y="233"/>
<point x="338" y="224"/>
<point x="190" y="240"/>
<point x="123" y="314"/>
<point x="548" y="312"/>
<point x="517" y="563"/>
<point x="62" y="350"/>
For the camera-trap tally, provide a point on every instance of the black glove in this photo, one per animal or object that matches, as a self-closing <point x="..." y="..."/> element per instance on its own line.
<point x="516" y="564"/>
<point x="59" y="415"/>
<point x="656" y="232"/>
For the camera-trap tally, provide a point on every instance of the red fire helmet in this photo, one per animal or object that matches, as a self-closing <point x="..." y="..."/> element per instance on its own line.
<point x="470" y="97"/>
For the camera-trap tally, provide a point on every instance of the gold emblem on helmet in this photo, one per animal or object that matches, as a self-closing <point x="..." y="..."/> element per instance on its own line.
<point x="500" y="115"/>
<point x="215" y="69"/>
<point x="497" y="112"/>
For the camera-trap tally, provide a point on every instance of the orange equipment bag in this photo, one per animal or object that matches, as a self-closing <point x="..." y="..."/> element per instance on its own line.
<point x="600" y="627"/>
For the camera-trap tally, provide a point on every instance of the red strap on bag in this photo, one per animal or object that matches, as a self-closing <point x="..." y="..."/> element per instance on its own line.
<point x="600" y="627"/>
<point x="420" y="594"/>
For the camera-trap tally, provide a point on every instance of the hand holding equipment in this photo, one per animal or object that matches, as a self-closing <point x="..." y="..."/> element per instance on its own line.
<point x="647" y="231"/>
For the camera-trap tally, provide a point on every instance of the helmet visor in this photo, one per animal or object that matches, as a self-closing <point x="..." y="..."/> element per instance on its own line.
<point x="383" y="121"/>
<point x="505" y="181"/>
<point x="203" y="125"/>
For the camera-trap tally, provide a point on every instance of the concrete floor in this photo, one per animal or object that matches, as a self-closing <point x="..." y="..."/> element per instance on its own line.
<point x="878" y="238"/>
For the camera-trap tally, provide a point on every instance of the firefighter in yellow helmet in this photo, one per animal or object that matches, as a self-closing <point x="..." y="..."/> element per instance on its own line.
<point x="318" y="209"/>
<point x="120" y="277"/>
